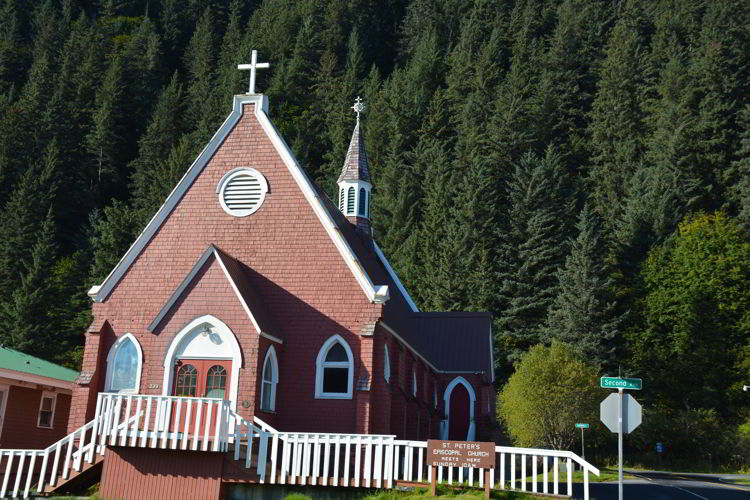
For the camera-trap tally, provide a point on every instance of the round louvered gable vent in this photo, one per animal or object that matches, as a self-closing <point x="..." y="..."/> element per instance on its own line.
<point x="242" y="191"/>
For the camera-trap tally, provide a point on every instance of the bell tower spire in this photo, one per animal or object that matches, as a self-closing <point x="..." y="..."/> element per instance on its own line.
<point x="355" y="188"/>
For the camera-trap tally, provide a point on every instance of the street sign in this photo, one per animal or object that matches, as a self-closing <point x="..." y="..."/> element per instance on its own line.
<point x="621" y="413"/>
<point x="631" y="413"/>
<point x="621" y="383"/>
<point x="582" y="426"/>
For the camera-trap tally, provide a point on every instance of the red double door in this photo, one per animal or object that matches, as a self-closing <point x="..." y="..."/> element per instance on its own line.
<point x="199" y="378"/>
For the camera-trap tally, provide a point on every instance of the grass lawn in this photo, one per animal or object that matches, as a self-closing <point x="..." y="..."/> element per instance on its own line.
<point x="739" y="480"/>
<point x="423" y="493"/>
<point x="605" y="475"/>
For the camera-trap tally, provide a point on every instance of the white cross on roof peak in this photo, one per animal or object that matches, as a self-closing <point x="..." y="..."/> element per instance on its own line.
<point x="254" y="65"/>
<point x="358" y="107"/>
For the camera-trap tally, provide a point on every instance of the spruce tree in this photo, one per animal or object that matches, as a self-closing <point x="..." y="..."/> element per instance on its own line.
<point x="534" y="247"/>
<point x="12" y="57"/>
<point x="739" y="174"/>
<point x="22" y="215"/>
<point x="25" y="322"/>
<point x="148" y="186"/>
<point x="104" y="140"/>
<point x="199" y="59"/>
<point x="583" y="312"/>
<point x="617" y="118"/>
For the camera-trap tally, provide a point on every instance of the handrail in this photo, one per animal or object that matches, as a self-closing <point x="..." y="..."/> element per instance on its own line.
<point x="159" y="396"/>
<point x="264" y="425"/>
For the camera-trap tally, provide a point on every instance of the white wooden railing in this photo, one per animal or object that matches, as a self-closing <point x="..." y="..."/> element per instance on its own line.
<point x="166" y="422"/>
<point x="381" y="461"/>
<point x="65" y="455"/>
<point x="272" y="456"/>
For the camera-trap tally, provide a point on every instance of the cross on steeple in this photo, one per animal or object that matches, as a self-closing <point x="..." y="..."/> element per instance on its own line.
<point x="254" y="64"/>
<point x="358" y="107"/>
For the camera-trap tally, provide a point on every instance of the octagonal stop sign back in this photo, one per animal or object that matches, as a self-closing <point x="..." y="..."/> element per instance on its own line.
<point x="631" y="412"/>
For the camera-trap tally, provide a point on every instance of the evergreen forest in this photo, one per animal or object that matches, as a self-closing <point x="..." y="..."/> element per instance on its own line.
<point x="580" y="168"/>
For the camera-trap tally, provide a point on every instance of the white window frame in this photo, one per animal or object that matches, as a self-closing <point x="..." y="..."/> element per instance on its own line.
<point x="53" y="397"/>
<point x="321" y="364"/>
<point x="270" y="358"/>
<point x="111" y="364"/>
<point x="386" y="365"/>
<point x="414" y="381"/>
<point x="231" y="175"/>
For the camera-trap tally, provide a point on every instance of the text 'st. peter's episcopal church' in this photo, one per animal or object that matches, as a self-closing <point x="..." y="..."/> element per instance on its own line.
<point x="250" y="285"/>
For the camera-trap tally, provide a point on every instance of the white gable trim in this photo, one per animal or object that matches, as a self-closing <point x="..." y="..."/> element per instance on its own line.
<point x="242" y="301"/>
<point x="377" y="295"/>
<point x="394" y="277"/>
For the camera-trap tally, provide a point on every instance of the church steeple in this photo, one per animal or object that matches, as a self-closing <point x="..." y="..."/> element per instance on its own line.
<point x="354" y="183"/>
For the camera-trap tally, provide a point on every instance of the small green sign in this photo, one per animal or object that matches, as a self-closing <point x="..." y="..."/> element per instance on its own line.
<point x="621" y="383"/>
<point x="582" y="426"/>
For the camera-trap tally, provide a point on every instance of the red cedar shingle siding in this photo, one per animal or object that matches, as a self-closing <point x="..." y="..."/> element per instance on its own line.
<point x="290" y="261"/>
<point x="148" y="474"/>
<point x="240" y="274"/>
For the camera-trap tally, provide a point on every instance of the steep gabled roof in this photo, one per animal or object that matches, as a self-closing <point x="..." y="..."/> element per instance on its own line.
<point x="355" y="166"/>
<point x="237" y="278"/>
<point x="376" y="294"/>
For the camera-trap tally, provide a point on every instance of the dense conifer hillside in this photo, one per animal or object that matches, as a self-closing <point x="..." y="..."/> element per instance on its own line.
<point x="580" y="168"/>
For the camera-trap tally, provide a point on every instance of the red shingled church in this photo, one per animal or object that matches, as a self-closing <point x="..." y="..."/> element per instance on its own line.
<point x="250" y="286"/>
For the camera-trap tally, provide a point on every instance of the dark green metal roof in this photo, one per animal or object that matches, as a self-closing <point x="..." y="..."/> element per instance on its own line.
<point x="10" y="359"/>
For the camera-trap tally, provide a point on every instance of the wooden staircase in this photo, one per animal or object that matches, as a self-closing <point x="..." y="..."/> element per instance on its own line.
<point x="89" y="473"/>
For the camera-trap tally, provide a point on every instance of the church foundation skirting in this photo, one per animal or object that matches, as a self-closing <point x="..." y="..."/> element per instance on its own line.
<point x="148" y="474"/>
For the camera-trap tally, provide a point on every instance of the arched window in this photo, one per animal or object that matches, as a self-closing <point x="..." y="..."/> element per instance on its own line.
<point x="386" y="365"/>
<point x="334" y="377"/>
<point x="187" y="381"/>
<point x="414" y="382"/>
<point x="342" y="192"/>
<point x="216" y="382"/>
<point x="124" y="365"/>
<point x="270" y="379"/>
<point x="362" y="201"/>
<point x="350" y="201"/>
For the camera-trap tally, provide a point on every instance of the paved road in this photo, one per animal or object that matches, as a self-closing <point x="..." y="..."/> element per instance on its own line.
<point x="670" y="486"/>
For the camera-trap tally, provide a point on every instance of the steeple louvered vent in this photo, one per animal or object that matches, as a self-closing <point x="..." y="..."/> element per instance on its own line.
<point x="242" y="191"/>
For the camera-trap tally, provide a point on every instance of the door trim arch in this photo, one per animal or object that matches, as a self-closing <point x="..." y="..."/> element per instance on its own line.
<point x="447" y="407"/>
<point x="225" y="333"/>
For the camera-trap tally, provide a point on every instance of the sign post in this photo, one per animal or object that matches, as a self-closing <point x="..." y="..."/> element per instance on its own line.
<point x="621" y="413"/>
<point x="460" y="454"/>
<point x="583" y="449"/>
